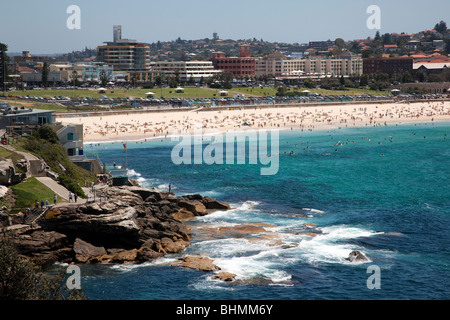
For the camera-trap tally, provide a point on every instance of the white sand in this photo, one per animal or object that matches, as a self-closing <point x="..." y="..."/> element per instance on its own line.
<point x="137" y="126"/>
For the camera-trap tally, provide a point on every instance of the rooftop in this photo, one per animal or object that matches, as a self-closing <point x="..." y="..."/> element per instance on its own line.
<point x="9" y="111"/>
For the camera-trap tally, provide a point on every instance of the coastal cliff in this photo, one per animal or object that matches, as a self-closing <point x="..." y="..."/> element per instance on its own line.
<point x="130" y="224"/>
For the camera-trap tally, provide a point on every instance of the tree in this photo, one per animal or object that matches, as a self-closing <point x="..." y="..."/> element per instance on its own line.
<point x="20" y="279"/>
<point x="340" y="43"/>
<point x="221" y="80"/>
<point x="47" y="133"/>
<point x="447" y="45"/>
<point x="281" y="91"/>
<point x="364" y="81"/>
<point x="103" y="78"/>
<point x="3" y="63"/>
<point x="407" y="77"/>
<point x="191" y="80"/>
<point x="386" y="38"/>
<point x="45" y="71"/>
<point x="309" y="83"/>
<point x="75" y="78"/>
<point x="441" y="27"/>
<point x="377" y="36"/>
<point x="158" y="80"/>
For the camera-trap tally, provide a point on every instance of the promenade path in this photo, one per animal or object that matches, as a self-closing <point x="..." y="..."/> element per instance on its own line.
<point x="47" y="181"/>
<point x="59" y="189"/>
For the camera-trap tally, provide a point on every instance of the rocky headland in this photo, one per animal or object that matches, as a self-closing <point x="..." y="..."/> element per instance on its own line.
<point x="130" y="224"/>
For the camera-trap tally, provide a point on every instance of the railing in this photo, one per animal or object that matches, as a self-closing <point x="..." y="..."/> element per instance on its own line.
<point x="35" y="215"/>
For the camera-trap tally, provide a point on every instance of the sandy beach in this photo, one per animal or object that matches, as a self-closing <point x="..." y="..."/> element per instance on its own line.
<point x="140" y="126"/>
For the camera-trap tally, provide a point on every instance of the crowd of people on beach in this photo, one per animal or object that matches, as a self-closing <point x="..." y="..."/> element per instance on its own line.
<point x="305" y="118"/>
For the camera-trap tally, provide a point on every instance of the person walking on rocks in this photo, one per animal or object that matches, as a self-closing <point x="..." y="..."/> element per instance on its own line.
<point x="75" y="196"/>
<point x="70" y="196"/>
<point x="54" y="199"/>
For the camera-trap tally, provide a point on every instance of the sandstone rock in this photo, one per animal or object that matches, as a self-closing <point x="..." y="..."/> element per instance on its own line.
<point x="183" y="214"/>
<point x="146" y="254"/>
<point x="309" y="224"/>
<point x="85" y="251"/>
<point x="38" y="241"/>
<point x="224" y="276"/>
<point x="212" y="203"/>
<point x="124" y="256"/>
<point x="197" y="263"/>
<point x="3" y="191"/>
<point x="145" y="193"/>
<point x="147" y="223"/>
<point x="242" y="229"/>
<point x="6" y="171"/>
<point x="170" y="246"/>
<point x="194" y="206"/>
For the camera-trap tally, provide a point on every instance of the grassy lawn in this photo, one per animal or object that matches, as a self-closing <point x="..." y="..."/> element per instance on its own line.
<point x="27" y="192"/>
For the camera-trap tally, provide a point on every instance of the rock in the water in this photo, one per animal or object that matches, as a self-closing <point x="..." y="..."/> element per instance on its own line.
<point x="212" y="203"/>
<point x="197" y="263"/>
<point x="357" y="256"/>
<point x="147" y="254"/>
<point x="194" y="206"/>
<point x="170" y="246"/>
<point x="225" y="276"/>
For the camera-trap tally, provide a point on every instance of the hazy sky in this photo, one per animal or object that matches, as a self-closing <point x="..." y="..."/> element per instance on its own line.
<point x="40" y="25"/>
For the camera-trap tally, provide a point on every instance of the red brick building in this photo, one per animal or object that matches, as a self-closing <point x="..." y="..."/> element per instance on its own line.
<point x="389" y="65"/>
<point x="241" y="66"/>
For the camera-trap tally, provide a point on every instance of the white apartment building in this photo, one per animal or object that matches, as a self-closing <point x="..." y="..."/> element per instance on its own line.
<point x="316" y="66"/>
<point x="186" y="69"/>
<point x="83" y="72"/>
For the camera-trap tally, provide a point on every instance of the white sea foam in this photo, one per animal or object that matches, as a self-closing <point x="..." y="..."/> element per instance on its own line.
<point x="313" y="210"/>
<point x="132" y="172"/>
<point x="323" y="248"/>
<point x="164" y="261"/>
<point x="263" y="259"/>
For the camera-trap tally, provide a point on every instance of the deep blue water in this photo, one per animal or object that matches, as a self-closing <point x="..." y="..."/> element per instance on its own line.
<point x="384" y="191"/>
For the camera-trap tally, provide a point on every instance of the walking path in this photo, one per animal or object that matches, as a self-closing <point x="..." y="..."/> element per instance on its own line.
<point x="49" y="182"/>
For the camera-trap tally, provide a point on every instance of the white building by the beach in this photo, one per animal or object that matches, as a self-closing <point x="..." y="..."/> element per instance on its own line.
<point x="186" y="69"/>
<point x="279" y="65"/>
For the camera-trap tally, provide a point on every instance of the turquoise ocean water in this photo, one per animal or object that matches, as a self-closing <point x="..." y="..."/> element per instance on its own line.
<point x="384" y="191"/>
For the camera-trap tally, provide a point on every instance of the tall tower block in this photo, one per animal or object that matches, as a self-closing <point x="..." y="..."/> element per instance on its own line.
<point x="117" y="33"/>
